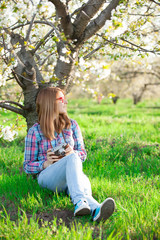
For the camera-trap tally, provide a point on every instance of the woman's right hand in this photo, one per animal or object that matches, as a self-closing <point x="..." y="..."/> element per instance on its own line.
<point x="51" y="158"/>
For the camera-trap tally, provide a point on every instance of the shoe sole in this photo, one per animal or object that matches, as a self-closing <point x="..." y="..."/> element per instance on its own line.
<point x="82" y="212"/>
<point x="106" y="210"/>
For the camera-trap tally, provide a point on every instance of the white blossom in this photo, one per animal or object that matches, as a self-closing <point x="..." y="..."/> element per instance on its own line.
<point x="77" y="74"/>
<point x="67" y="60"/>
<point x="63" y="59"/>
<point x="81" y="61"/>
<point x="64" y="50"/>
<point x="74" y="55"/>
<point x="8" y="134"/>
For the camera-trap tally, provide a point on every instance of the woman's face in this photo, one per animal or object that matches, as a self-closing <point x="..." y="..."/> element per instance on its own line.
<point x="61" y="102"/>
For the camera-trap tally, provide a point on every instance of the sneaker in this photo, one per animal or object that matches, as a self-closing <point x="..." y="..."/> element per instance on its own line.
<point x="104" y="211"/>
<point x="82" y="208"/>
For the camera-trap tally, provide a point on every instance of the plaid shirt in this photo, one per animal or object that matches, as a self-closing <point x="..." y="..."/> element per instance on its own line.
<point x="36" y="146"/>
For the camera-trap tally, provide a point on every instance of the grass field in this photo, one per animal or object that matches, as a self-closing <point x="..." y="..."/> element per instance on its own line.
<point x="122" y="143"/>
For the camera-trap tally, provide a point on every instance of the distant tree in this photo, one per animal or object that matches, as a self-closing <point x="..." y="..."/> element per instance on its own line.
<point x="149" y="73"/>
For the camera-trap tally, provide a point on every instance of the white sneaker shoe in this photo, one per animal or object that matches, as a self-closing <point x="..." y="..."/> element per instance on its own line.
<point x="82" y="208"/>
<point x="104" y="211"/>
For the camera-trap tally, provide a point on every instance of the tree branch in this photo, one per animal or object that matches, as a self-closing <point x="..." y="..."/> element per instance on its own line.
<point x="30" y="27"/>
<point x="15" y="37"/>
<point x="155" y="2"/>
<point x="133" y="74"/>
<point x="12" y="102"/>
<point x="99" y="22"/>
<point x="77" y="10"/>
<point x="30" y="81"/>
<point x="143" y="15"/>
<point x="46" y="59"/>
<point x="14" y="74"/>
<point x="14" y="1"/>
<point x="40" y="22"/>
<point x="64" y="16"/>
<point x="37" y="21"/>
<point x="86" y="12"/>
<point x="11" y="108"/>
<point x="94" y="50"/>
<point x="17" y="80"/>
<point x="117" y="44"/>
<point x="32" y="2"/>
<point x="127" y="47"/>
<point x="4" y="44"/>
<point x="148" y="84"/>
<point x="41" y="42"/>
<point x="140" y="48"/>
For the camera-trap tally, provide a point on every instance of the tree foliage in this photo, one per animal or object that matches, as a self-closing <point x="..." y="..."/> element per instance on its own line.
<point x="48" y="42"/>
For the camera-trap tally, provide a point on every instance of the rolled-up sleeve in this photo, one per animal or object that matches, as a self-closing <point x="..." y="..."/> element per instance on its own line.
<point x="78" y="141"/>
<point x="31" y="164"/>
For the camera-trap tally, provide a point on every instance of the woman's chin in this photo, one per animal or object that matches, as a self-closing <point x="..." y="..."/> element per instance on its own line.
<point x="63" y="112"/>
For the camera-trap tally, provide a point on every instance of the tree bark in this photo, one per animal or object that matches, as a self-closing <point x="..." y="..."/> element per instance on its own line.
<point x="98" y="23"/>
<point x="85" y="15"/>
<point x="64" y="71"/>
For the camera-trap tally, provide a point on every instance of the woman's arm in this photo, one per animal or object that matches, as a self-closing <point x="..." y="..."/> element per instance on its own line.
<point x="31" y="164"/>
<point x="78" y="141"/>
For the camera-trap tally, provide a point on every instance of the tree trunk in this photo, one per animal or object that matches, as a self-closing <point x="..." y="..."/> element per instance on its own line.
<point x="29" y="103"/>
<point x="115" y="99"/>
<point x="136" y="99"/>
<point x="63" y="71"/>
<point x="138" y="96"/>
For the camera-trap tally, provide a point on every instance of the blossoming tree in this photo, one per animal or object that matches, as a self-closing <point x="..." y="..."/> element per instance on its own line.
<point x="47" y="42"/>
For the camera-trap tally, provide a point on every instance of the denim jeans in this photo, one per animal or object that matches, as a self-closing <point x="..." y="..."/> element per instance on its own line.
<point x="67" y="174"/>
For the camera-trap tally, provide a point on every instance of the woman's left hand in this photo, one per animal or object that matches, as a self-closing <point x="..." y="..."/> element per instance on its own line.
<point x="69" y="150"/>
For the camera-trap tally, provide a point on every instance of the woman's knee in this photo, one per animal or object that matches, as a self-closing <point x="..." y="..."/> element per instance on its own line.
<point x="74" y="159"/>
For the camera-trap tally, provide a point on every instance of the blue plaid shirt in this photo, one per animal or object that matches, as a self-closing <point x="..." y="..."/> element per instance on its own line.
<point x="36" y="146"/>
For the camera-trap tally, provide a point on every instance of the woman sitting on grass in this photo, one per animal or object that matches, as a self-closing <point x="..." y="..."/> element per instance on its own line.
<point x="61" y="170"/>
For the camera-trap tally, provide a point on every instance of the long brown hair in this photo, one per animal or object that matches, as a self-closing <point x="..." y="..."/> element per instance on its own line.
<point x="48" y="113"/>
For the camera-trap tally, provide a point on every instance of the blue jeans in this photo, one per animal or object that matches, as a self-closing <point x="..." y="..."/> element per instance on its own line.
<point x="67" y="174"/>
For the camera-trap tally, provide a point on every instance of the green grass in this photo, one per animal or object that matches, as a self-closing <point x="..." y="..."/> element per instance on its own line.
<point x="122" y="143"/>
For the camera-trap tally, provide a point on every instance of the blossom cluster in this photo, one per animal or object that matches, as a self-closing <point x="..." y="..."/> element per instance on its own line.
<point x="7" y="133"/>
<point x="125" y="22"/>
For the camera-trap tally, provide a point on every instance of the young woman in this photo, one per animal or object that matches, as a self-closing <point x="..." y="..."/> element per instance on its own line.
<point x="61" y="173"/>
